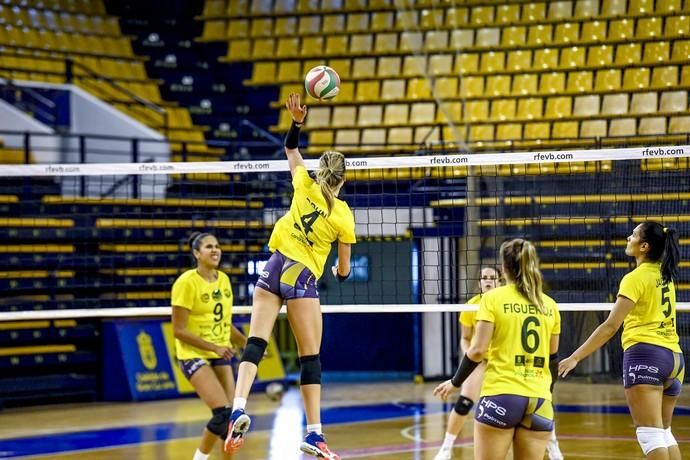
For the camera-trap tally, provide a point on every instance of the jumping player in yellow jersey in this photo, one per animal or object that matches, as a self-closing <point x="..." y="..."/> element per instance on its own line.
<point x="653" y="364"/>
<point x="518" y="329"/>
<point x="204" y="334"/>
<point x="301" y="241"/>
<point x="469" y="392"/>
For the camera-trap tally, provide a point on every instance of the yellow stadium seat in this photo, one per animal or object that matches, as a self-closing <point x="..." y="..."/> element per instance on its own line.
<point x="487" y="36"/>
<point x="406" y="19"/>
<point x="580" y="81"/>
<point x="541" y="131"/>
<point x="668" y="6"/>
<point x="677" y="26"/>
<point x="467" y="63"/>
<point x="503" y="109"/>
<point x="364" y="67"/>
<point x="530" y="108"/>
<point x="336" y="45"/>
<point x="370" y="115"/>
<point x="449" y="112"/>
<point x="519" y="60"/>
<point x="285" y="26"/>
<point x="551" y="83"/>
<point x="533" y="12"/>
<point x="214" y="30"/>
<point x="472" y="86"/>
<point x="514" y="35"/>
<point x="400" y="136"/>
<point x="653" y="125"/>
<point x="427" y="135"/>
<point x="545" y="58"/>
<point x="386" y="43"/>
<point x="600" y="56"/>
<point x="261" y="6"/>
<point x="649" y="27"/>
<point x="482" y="15"/>
<point x="396" y="114"/>
<point x="342" y="66"/>
<point x="388" y="66"/>
<point x="461" y="38"/>
<point x="507" y="14"/>
<point x="663" y="77"/>
<point x="593" y="128"/>
<point x="623" y="127"/>
<point x="594" y="30"/>
<point x="586" y="9"/>
<point x="656" y="51"/>
<point x="239" y="49"/>
<point x="305" y="6"/>
<point x="361" y="44"/>
<point x="644" y="103"/>
<point x="431" y="18"/>
<point x="263" y="27"/>
<point x="265" y="47"/>
<point x="264" y="72"/>
<point x="558" y="107"/>
<point x="614" y="104"/>
<point x="636" y="78"/>
<point x="560" y="10"/>
<point x="214" y="8"/>
<point x="492" y="61"/>
<point x="681" y="50"/>
<point x="565" y="130"/>
<point x="422" y="113"/>
<point x="586" y="105"/>
<point x="287" y="47"/>
<point x="509" y="132"/>
<point x="641" y="6"/>
<point x="607" y="79"/>
<point x="446" y="87"/>
<point x="674" y="101"/>
<point x="573" y="57"/>
<point x="567" y="32"/>
<point x="344" y="116"/>
<point x="679" y="125"/>
<point x="333" y="23"/>
<point x="436" y="40"/>
<point x="628" y="53"/>
<point x="381" y="21"/>
<point x="525" y="84"/>
<point x="477" y="110"/>
<point x="480" y="133"/>
<point x="237" y="28"/>
<point x="414" y="66"/>
<point x="614" y="8"/>
<point x="440" y="64"/>
<point x="621" y="29"/>
<point x="346" y="139"/>
<point x="373" y="138"/>
<point x="418" y="88"/>
<point x="368" y="91"/>
<point x="357" y="22"/>
<point x="411" y="41"/>
<point x="347" y="92"/>
<point x="457" y="17"/>
<point x="498" y="85"/>
<point x="685" y="76"/>
<point x="392" y="89"/>
<point x="286" y="90"/>
<point x="454" y="133"/>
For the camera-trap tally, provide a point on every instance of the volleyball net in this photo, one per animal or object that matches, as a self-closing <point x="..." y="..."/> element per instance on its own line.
<point x="101" y="237"/>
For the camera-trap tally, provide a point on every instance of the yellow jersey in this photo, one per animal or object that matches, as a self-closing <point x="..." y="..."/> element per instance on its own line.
<point x="518" y="356"/>
<point x="307" y="231"/>
<point x="469" y="318"/>
<point x="653" y="318"/>
<point x="210" y="311"/>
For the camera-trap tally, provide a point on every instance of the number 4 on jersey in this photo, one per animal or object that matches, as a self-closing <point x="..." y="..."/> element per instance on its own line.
<point x="307" y="223"/>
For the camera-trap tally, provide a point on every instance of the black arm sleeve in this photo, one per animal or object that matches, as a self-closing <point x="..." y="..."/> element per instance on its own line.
<point x="292" y="137"/>
<point x="464" y="370"/>
<point x="553" y="367"/>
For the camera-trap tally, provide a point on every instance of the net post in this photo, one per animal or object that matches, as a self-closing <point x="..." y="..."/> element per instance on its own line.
<point x="82" y="160"/>
<point x="135" y="159"/>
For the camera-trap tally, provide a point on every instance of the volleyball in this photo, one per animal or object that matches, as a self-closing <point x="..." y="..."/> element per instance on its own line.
<point x="275" y="390"/>
<point x="322" y="82"/>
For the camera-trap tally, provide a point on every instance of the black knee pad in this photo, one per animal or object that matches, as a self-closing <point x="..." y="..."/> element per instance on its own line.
<point x="254" y="351"/>
<point x="220" y="422"/>
<point x="463" y="405"/>
<point x="310" y="370"/>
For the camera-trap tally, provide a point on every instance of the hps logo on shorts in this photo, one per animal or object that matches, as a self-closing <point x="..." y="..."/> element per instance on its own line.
<point x="643" y="368"/>
<point x="488" y="404"/>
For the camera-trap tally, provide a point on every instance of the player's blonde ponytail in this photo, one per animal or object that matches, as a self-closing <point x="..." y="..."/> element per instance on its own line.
<point x="330" y="175"/>
<point x="522" y="266"/>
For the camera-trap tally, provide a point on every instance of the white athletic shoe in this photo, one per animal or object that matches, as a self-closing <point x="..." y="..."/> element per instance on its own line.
<point x="553" y="450"/>
<point x="444" y="454"/>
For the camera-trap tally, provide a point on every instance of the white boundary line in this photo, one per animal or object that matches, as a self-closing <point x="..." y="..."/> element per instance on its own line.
<point x="427" y="161"/>
<point x="381" y="308"/>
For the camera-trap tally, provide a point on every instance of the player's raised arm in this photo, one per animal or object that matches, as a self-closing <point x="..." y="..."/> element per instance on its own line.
<point x="299" y="113"/>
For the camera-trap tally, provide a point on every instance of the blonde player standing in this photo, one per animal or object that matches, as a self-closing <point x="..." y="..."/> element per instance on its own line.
<point x="653" y="364"/>
<point x="301" y="241"/>
<point x="201" y="318"/>
<point x="518" y="329"/>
